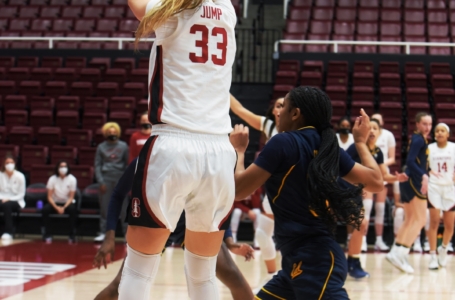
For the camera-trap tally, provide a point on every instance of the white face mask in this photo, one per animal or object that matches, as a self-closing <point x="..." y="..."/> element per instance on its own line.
<point x="63" y="170"/>
<point x="9" y="167"/>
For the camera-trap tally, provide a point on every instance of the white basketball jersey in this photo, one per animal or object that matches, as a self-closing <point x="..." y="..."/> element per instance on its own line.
<point x="191" y="68"/>
<point x="385" y="141"/>
<point x="442" y="161"/>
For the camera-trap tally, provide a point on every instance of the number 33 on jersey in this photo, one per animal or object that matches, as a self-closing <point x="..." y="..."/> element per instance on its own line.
<point x="191" y="68"/>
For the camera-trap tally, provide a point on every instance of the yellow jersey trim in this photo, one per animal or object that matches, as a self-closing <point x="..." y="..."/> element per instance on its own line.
<point x="282" y="183"/>
<point x="418" y="194"/>
<point x="328" y="276"/>
<point x="307" y="127"/>
<point x="271" y="294"/>
<point x="256" y="297"/>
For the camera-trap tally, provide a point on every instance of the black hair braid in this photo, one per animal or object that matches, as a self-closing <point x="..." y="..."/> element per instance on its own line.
<point x="328" y="200"/>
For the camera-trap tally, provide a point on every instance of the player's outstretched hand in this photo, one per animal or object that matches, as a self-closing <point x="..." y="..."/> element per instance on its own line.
<point x="243" y="250"/>
<point x="239" y="138"/>
<point x="361" y="129"/>
<point x="401" y="177"/>
<point x="107" y="248"/>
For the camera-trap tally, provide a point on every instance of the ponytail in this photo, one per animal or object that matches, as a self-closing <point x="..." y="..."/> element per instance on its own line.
<point x="160" y="14"/>
<point x="327" y="199"/>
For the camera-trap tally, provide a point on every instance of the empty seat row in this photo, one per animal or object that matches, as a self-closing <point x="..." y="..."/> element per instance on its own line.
<point x="75" y="63"/>
<point x="43" y="12"/>
<point x="64" y="2"/>
<point x="409" y="4"/>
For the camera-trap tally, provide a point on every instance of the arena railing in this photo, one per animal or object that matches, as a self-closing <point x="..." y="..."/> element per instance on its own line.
<point x="335" y="44"/>
<point x="51" y="40"/>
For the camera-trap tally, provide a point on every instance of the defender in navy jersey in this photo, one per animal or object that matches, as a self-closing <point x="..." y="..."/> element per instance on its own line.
<point x="300" y="169"/>
<point x="226" y="269"/>
<point x="413" y="194"/>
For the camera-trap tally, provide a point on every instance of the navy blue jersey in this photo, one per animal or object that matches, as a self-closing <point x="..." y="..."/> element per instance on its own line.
<point x="287" y="157"/>
<point x="417" y="159"/>
<point x="376" y="152"/>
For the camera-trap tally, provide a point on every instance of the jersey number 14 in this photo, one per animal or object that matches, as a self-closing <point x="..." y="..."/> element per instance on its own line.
<point x="443" y="167"/>
<point x="203" y="43"/>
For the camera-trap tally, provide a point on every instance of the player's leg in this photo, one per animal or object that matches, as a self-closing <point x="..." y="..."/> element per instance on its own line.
<point x="432" y="237"/>
<point x="398" y="219"/>
<point x="235" y="221"/>
<point x="449" y="219"/>
<point x="379" y="208"/>
<point x="368" y="206"/>
<point x="110" y="292"/>
<point x="264" y="235"/>
<point x="355" y="245"/>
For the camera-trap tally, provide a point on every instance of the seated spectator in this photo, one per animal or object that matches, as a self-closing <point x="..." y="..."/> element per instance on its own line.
<point x="138" y="139"/>
<point x="12" y="193"/>
<point x="61" y="188"/>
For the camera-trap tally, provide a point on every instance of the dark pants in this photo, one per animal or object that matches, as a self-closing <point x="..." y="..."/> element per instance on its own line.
<point x="70" y="211"/>
<point x="8" y="208"/>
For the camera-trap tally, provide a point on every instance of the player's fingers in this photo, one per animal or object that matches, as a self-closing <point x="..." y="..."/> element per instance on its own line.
<point x="365" y="117"/>
<point x="105" y="262"/>
<point x="356" y="122"/>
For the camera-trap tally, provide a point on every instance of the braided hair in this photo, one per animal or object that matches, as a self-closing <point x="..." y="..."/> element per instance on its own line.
<point x="328" y="200"/>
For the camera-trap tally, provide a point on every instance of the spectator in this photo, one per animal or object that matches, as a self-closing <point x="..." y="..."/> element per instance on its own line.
<point x="344" y="135"/>
<point x="61" y="188"/>
<point x="111" y="160"/>
<point x="12" y="192"/>
<point x="139" y="138"/>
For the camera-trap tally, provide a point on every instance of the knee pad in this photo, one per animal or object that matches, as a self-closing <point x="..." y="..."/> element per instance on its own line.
<point x="380" y="212"/>
<point x="368" y="206"/>
<point x="200" y="272"/>
<point x="138" y="274"/>
<point x="398" y="219"/>
<point x="257" y="212"/>
<point x="235" y="219"/>
<point x="263" y="235"/>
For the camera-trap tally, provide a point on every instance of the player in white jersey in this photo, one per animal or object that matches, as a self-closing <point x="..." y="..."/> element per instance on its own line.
<point x="269" y="126"/>
<point x="386" y="142"/>
<point x="344" y="135"/>
<point x="441" y="193"/>
<point x="188" y="163"/>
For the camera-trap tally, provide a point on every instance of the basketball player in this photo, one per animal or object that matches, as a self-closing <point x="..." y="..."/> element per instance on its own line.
<point x="354" y="266"/>
<point x="344" y="135"/>
<point x="187" y="163"/>
<point x="251" y="207"/>
<point x="269" y="125"/>
<point x="299" y="168"/>
<point x="226" y="269"/>
<point x="386" y="142"/>
<point x="441" y="193"/>
<point x="413" y="194"/>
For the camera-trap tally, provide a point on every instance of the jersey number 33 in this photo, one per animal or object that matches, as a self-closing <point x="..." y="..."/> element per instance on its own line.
<point x="218" y="59"/>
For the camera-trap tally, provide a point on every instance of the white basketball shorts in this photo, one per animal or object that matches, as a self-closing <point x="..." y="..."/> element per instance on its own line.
<point x="441" y="196"/>
<point x="180" y="170"/>
<point x="266" y="206"/>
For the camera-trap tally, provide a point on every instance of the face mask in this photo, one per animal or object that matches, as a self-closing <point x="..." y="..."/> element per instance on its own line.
<point x="344" y="130"/>
<point x="112" y="137"/>
<point x="63" y="170"/>
<point x="146" y="126"/>
<point x="9" y="167"/>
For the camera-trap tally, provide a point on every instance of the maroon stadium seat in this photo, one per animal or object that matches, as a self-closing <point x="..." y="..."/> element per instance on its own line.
<point x="66" y="153"/>
<point x="29" y="11"/>
<point x="50" y="12"/>
<point x="416" y="80"/>
<point x="414" y="3"/>
<point x="143" y="105"/>
<point x="369" y="3"/>
<point x="390" y="28"/>
<point x="41" y="103"/>
<point x="363" y="93"/>
<point x="280" y="91"/>
<point x="41" y="74"/>
<point x="444" y="95"/>
<point x="436" y="4"/>
<point x="93" y="121"/>
<point x="445" y="110"/>
<point x="128" y="25"/>
<point x="84" y="175"/>
<point x="66" y="45"/>
<point x="363" y="66"/>
<point x="62" y="25"/>
<point x="95" y="105"/>
<point x="347" y="3"/>
<point x="115" y="75"/>
<point x="296" y="26"/>
<point x="7" y="87"/>
<point x="313" y="66"/>
<point x="127" y="63"/>
<point x="40" y="118"/>
<point x="414" y="67"/>
<point x="389" y="80"/>
<point x="322" y="13"/>
<point x="324" y="3"/>
<point x="439" y="50"/>
<point x="286" y="77"/>
<point x="391" y="14"/>
<point x="16" y="118"/>
<point x="87" y="155"/>
<point x="289" y="65"/>
<point x="414" y="29"/>
<point x="51" y="62"/>
<point x="122" y="104"/>
<point x="84" y="25"/>
<point x="366" y="48"/>
<point x="75" y="62"/>
<point x="300" y="3"/>
<point x="337" y="92"/>
<point x="391" y="109"/>
<point x="341" y="27"/>
<point x="49" y="136"/>
<point x="342" y="48"/>
<point x="116" y="12"/>
<point x="437" y="16"/>
<point x="311" y="79"/>
<point x="41" y="173"/>
<point x="416" y="49"/>
<point x="440" y="68"/>
<point x="123" y="119"/>
<point x="337" y="66"/>
<point x="19" y="74"/>
<point x="337" y="79"/>
<point x="33" y="155"/>
<point x="66" y="119"/>
<point x="339" y="108"/>
<point x="299" y="13"/>
<point x="20" y="135"/>
<point x="288" y="47"/>
<point x="368" y="14"/>
<point x="107" y="25"/>
<point x="72" y="12"/>
<point x="414" y="108"/>
<point x="414" y="15"/>
<point x="14" y="102"/>
<point x="3" y="134"/>
<point x="82" y="89"/>
<point x="9" y="150"/>
<point x="139" y="75"/>
<point x="390" y="49"/>
<point x="56" y="88"/>
<point x="321" y="27"/>
<point x="390" y="94"/>
<point x="416" y="94"/>
<point x="66" y="74"/>
<point x="107" y="89"/>
<point x="79" y="138"/>
<point x="9" y="11"/>
<point x="90" y="75"/>
<point x="134" y="89"/>
<point x="367" y="28"/>
<point x="363" y="79"/>
<point x="346" y="14"/>
<point x="101" y="63"/>
<point x="41" y="24"/>
<point x="67" y="103"/>
<point x="368" y="106"/>
<point x="80" y="2"/>
<point x="92" y="12"/>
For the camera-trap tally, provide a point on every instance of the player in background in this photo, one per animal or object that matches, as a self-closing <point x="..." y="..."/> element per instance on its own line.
<point x="226" y="269"/>
<point x="344" y="135"/>
<point x="251" y="207"/>
<point x="299" y="168"/>
<point x="354" y="266"/>
<point x="269" y="125"/>
<point x="386" y="142"/>
<point x="187" y="164"/>
<point x="441" y="193"/>
<point x="138" y="139"/>
<point x="413" y="194"/>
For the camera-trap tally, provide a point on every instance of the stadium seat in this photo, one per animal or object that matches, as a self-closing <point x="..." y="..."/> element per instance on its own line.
<point x="366" y="48"/>
<point x="414" y="108"/>
<point x="9" y="11"/>
<point x="56" y="88"/>
<point x="337" y="79"/>
<point x="14" y="102"/>
<point x="50" y="12"/>
<point x="41" y="74"/>
<point x="439" y="50"/>
<point x="107" y="89"/>
<point x="28" y="11"/>
<point x="116" y="12"/>
<point x="89" y="204"/>
<point x="128" y="25"/>
<point x="143" y="63"/>
<point x="33" y="155"/>
<point x="348" y="14"/>
<point x="414" y="15"/>
<point x="16" y="118"/>
<point x="311" y="79"/>
<point x="436" y="4"/>
<point x="49" y="136"/>
<point x="280" y="91"/>
<point x="101" y="63"/>
<point x="85" y="25"/>
<point x="337" y="92"/>
<point x="324" y="3"/>
<point x="322" y="13"/>
<point x="66" y="119"/>
<point x="126" y="63"/>
<point x="115" y="75"/>
<point x="20" y="135"/>
<point x="416" y="49"/>
<point x="337" y="66"/>
<point x="342" y="48"/>
<point x="286" y="77"/>
<point x="41" y="173"/>
<point x="79" y="138"/>
<point x="417" y="94"/>
<point x="363" y="93"/>
<point x="106" y="25"/>
<point x="392" y="94"/>
<point x="95" y="105"/>
<point x="338" y="108"/>
<point x="92" y="12"/>
<point x="414" y="3"/>
<point x="391" y="109"/>
<point x="62" y="25"/>
<point x="90" y="75"/>
<point x="414" y="67"/>
<point x="320" y="27"/>
<point x="7" y="87"/>
<point x="313" y="66"/>
<point x="445" y="110"/>
<point x="66" y="74"/>
<point x="143" y="105"/>
<point x="416" y="80"/>
<point x="3" y="134"/>
<point x="444" y="95"/>
<point x="389" y="80"/>
<point x="299" y="13"/>
<point x="66" y="45"/>
<point x="82" y="89"/>
<point x="19" y="74"/>
<point x="41" y="103"/>
<point x="139" y="75"/>
<point x="84" y="175"/>
<point x="347" y="3"/>
<point x="72" y="12"/>
<point x="437" y="16"/>
<point x="439" y="68"/>
<point x="67" y="103"/>
<point x="363" y="66"/>
<point x="93" y="121"/>
<point x="288" y="65"/>
<point x="390" y="28"/>
<point x="368" y="14"/>
<point x="296" y="26"/>
<point x="366" y="105"/>
<point x="87" y="155"/>
<point x="363" y="79"/>
<point x="391" y="15"/>
<point x="345" y="28"/>
<point x="41" y="118"/>
<point x="123" y="104"/>
<point x="66" y="153"/>
<point x="124" y="119"/>
<point x="134" y="89"/>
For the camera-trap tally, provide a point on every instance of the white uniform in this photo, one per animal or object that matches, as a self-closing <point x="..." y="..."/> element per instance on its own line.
<point x="348" y="143"/>
<point x="384" y="142"/>
<point x="188" y="163"/>
<point x="441" y="192"/>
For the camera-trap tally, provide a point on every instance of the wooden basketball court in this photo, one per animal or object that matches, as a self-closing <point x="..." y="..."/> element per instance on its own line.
<point x="31" y="270"/>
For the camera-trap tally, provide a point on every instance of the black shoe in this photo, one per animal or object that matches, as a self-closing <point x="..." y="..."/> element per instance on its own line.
<point x="355" y="268"/>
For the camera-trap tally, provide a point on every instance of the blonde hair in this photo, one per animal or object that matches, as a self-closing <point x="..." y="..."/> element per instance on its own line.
<point x="109" y="125"/>
<point x="160" y="14"/>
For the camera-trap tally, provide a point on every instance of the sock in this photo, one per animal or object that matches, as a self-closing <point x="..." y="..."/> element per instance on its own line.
<point x="444" y="248"/>
<point x="379" y="213"/>
<point x="398" y="219"/>
<point x="263" y="236"/>
<point x="432" y="252"/>
<point x="235" y="220"/>
<point x="417" y="241"/>
<point x="379" y="239"/>
<point x="354" y="256"/>
<point x="138" y="275"/>
<point x="200" y="276"/>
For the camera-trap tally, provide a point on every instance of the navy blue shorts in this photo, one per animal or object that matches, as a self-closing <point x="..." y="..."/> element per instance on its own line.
<point x="410" y="189"/>
<point x="316" y="270"/>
